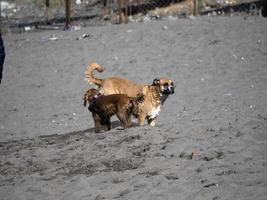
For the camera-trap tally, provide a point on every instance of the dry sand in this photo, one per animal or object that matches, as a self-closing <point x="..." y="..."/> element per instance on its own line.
<point x="210" y="142"/>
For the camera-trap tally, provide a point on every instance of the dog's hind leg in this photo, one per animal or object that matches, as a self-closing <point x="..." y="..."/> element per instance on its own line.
<point x="125" y="119"/>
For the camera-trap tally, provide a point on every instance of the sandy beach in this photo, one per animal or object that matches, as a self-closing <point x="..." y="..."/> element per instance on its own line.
<point x="210" y="142"/>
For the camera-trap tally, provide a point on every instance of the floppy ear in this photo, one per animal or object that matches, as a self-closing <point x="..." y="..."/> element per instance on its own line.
<point x="156" y="81"/>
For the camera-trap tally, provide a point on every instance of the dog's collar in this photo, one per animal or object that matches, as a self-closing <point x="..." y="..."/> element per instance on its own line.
<point x="97" y="96"/>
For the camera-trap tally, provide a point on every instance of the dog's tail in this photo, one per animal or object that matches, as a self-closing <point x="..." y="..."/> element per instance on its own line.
<point x="90" y="76"/>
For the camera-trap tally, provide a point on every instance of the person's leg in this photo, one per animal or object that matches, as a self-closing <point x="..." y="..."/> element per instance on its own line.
<point x="2" y="58"/>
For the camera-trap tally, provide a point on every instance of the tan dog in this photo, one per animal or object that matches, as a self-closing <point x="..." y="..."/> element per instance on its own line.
<point x="103" y="107"/>
<point x="155" y="94"/>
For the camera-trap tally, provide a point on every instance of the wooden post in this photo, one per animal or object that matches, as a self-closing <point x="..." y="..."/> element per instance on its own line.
<point x="67" y="10"/>
<point x="123" y="17"/>
<point x="120" y="11"/>
<point x="0" y="19"/>
<point x="105" y="8"/>
<point x="126" y="10"/>
<point x="195" y="7"/>
<point x="130" y="9"/>
<point x="47" y="5"/>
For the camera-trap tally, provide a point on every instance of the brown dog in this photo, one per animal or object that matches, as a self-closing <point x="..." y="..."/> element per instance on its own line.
<point x="103" y="107"/>
<point x="155" y="94"/>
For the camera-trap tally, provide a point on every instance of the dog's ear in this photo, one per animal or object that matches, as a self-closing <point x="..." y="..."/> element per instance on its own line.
<point x="84" y="100"/>
<point x="156" y="81"/>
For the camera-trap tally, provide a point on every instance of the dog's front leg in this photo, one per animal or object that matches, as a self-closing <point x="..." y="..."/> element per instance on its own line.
<point x="97" y="122"/>
<point x="108" y="124"/>
<point x="141" y="119"/>
<point x="105" y="121"/>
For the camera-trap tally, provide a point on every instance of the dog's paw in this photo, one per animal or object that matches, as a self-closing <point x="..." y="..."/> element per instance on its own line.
<point x="153" y="123"/>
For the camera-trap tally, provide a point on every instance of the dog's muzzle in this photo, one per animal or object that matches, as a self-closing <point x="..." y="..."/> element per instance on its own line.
<point x="168" y="89"/>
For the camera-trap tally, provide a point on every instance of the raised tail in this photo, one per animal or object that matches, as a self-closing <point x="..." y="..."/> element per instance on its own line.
<point x="90" y="76"/>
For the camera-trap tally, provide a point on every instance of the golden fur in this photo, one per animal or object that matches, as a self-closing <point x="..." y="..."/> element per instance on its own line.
<point x="155" y="94"/>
